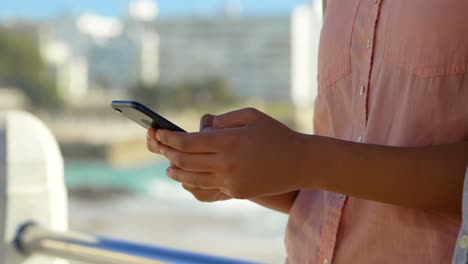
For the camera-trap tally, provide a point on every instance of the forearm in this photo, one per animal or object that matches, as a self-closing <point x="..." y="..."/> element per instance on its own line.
<point x="281" y="203"/>
<point x="427" y="178"/>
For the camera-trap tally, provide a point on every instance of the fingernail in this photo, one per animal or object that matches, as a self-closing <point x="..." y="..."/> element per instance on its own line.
<point x="158" y="137"/>
<point x="169" y="172"/>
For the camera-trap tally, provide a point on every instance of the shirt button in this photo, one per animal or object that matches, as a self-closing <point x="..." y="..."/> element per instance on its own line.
<point x="369" y="43"/>
<point x="463" y="242"/>
<point x="362" y="90"/>
<point x="359" y="139"/>
<point x="376" y="1"/>
<point x="325" y="261"/>
<point x="341" y="196"/>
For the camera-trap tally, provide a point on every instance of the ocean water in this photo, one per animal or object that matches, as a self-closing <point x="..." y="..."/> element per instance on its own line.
<point x="99" y="174"/>
<point x="153" y="209"/>
<point x="149" y="181"/>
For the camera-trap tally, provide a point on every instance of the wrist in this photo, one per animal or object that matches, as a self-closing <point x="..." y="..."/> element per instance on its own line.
<point x="303" y="162"/>
<point x="316" y="162"/>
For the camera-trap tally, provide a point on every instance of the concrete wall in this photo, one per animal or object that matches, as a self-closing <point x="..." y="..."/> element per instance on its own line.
<point x="32" y="185"/>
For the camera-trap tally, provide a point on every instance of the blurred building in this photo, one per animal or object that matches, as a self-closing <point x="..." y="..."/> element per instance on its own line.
<point x="88" y="51"/>
<point x="131" y="55"/>
<point x="271" y="58"/>
<point x="252" y="53"/>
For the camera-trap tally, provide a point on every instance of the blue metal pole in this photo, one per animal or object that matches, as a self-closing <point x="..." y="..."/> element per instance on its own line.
<point x="32" y="238"/>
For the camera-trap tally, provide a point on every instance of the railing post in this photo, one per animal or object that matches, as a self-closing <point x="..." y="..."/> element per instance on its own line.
<point x="32" y="184"/>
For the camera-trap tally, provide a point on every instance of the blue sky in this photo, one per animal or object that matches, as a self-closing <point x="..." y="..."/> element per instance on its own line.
<point x="47" y="8"/>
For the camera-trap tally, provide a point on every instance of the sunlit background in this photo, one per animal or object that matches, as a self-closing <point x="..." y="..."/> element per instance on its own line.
<point x="64" y="61"/>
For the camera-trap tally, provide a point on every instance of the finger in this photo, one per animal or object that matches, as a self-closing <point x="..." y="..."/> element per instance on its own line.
<point x="236" y="118"/>
<point x="173" y="166"/>
<point x="199" y="179"/>
<point x="153" y="146"/>
<point x="151" y="142"/>
<point x="151" y="134"/>
<point x="190" y="161"/>
<point x="190" y="188"/>
<point x="206" y="122"/>
<point x="193" y="189"/>
<point x="205" y="195"/>
<point x="201" y="142"/>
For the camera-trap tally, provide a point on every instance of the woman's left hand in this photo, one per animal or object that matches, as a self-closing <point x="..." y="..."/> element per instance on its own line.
<point x="247" y="154"/>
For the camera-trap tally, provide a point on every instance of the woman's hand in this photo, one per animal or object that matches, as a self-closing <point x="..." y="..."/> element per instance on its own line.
<point x="247" y="154"/>
<point x="202" y="195"/>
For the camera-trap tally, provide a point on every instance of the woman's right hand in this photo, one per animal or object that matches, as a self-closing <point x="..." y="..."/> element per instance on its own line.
<point x="202" y="195"/>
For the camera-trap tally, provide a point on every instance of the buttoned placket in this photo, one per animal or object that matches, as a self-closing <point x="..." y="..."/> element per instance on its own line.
<point x="366" y="67"/>
<point x="335" y="207"/>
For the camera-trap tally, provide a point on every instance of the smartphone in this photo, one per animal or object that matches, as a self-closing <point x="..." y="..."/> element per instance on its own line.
<point x="143" y="116"/>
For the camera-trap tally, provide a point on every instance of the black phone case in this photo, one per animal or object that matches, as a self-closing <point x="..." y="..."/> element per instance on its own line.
<point x="144" y="116"/>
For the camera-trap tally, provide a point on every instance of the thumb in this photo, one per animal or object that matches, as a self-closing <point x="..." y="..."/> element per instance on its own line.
<point x="236" y="118"/>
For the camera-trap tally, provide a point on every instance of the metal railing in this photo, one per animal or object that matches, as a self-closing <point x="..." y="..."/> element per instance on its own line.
<point x="32" y="238"/>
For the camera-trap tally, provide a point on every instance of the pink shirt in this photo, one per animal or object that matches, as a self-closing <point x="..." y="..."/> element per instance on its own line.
<point x="391" y="72"/>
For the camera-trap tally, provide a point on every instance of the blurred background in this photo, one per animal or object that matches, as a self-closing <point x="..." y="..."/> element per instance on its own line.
<point x="64" y="61"/>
